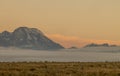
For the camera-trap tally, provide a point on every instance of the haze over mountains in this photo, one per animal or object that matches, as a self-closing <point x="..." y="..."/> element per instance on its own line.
<point x="30" y="38"/>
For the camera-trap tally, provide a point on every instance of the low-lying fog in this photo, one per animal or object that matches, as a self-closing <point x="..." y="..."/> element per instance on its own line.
<point x="93" y="54"/>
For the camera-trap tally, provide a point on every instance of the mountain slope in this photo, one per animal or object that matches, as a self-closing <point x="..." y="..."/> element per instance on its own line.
<point x="25" y="37"/>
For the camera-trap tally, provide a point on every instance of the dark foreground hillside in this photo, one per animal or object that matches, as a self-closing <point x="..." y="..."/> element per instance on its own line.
<point x="60" y="69"/>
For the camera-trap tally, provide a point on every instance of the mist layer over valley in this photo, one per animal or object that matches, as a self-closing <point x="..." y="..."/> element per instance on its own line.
<point x="89" y="54"/>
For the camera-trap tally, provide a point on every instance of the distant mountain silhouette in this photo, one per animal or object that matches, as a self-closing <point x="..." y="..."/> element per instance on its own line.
<point x="100" y="45"/>
<point x="30" y="38"/>
<point x="73" y="47"/>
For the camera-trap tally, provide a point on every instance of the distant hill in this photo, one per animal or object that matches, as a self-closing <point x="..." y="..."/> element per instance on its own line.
<point x="30" y="38"/>
<point x="100" y="45"/>
<point x="73" y="47"/>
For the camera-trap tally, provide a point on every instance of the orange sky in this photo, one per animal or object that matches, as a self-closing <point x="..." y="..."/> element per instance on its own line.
<point x="70" y="22"/>
<point x="69" y="41"/>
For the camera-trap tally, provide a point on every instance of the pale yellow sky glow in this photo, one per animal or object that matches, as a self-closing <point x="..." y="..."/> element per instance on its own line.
<point x="87" y="20"/>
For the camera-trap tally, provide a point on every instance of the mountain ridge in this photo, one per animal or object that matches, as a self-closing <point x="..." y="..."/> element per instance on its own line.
<point x="30" y="38"/>
<point x="100" y="45"/>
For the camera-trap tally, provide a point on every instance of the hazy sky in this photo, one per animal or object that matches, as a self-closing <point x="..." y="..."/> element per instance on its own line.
<point x="70" y="22"/>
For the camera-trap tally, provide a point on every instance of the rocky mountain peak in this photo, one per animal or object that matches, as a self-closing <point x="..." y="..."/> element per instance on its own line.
<point x="25" y="37"/>
<point x="5" y="33"/>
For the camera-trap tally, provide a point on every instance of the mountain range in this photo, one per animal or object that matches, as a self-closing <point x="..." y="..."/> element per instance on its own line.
<point x="29" y="38"/>
<point x="100" y="45"/>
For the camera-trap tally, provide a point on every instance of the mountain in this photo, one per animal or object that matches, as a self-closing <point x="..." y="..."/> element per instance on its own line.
<point x="100" y="45"/>
<point x="30" y="38"/>
<point x="73" y="47"/>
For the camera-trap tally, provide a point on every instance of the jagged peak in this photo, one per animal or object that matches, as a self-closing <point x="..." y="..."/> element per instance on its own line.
<point x="27" y="30"/>
<point x="5" y="33"/>
<point x="21" y="29"/>
<point x="36" y="30"/>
